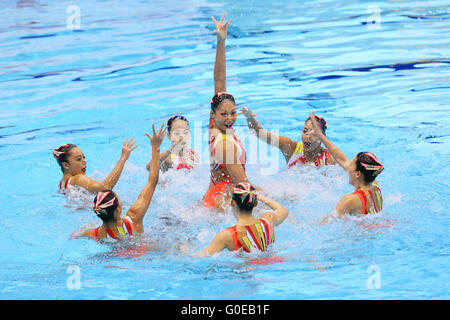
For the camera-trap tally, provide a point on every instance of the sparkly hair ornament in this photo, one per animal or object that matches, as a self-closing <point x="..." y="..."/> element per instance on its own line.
<point x="378" y="168"/>
<point x="57" y="153"/>
<point x="245" y="190"/>
<point x="99" y="207"/>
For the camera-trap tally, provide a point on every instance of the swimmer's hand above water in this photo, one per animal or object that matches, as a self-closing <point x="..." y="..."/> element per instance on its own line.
<point x="335" y="152"/>
<point x="157" y="137"/>
<point x="127" y="147"/>
<point x="221" y="28"/>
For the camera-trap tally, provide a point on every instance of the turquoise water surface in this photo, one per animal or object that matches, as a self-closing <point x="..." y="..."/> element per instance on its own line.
<point x="379" y="72"/>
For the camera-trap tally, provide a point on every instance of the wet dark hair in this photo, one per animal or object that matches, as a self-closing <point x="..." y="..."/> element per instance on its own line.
<point x="244" y="196"/>
<point x="61" y="153"/>
<point x="105" y="203"/>
<point x="174" y="118"/>
<point x="369" y="165"/>
<point x="322" y="122"/>
<point x="218" y="98"/>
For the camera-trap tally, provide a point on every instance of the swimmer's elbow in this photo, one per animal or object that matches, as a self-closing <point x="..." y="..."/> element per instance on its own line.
<point x="283" y="213"/>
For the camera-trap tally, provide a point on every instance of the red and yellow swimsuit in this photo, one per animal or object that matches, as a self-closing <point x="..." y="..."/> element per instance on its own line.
<point x="184" y="163"/>
<point x="64" y="185"/>
<point x="299" y="158"/>
<point x="219" y="175"/>
<point x="375" y="204"/>
<point x="129" y="227"/>
<point x="259" y="235"/>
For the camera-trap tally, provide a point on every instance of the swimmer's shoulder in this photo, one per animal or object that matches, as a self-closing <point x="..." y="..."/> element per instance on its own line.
<point x="349" y="204"/>
<point x="77" y="179"/>
<point x="87" y="183"/>
<point x="226" y="239"/>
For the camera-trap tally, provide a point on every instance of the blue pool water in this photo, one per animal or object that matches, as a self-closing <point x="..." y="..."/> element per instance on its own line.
<point x="379" y="72"/>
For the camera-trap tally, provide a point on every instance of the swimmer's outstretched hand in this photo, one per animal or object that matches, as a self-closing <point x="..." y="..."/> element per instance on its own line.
<point x="157" y="137"/>
<point x="127" y="147"/>
<point x="247" y="112"/>
<point x="221" y="28"/>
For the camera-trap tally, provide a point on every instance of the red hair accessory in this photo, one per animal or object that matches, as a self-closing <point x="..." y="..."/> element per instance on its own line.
<point x="100" y="208"/>
<point x="57" y="153"/>
<point x="245" y="191"/>
<point x="377" y="168"/>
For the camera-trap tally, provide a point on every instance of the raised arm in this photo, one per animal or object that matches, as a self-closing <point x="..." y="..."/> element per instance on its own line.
<point x="279" y="212"/>
<point x="111" y="180"/>
<point x="335" y="152"/>
<point x="220" y="69"/>
<point x="140" y="207"/>
<point x="286" y="145"/>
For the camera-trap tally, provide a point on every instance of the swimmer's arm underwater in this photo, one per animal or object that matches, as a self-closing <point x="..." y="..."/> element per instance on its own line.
<point x="138" y="210"/>
<point x="335" y="152"/>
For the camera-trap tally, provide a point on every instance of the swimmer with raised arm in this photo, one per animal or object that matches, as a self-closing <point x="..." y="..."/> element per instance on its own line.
<point x="308" y="151"/>
<point x="250" y="233"/>
<point x="362" y="171"/>
<point x="73" y="165"/>
<point x="227" y="153"/>
<point x="108" y="206"/>
<point x="179" y="155"/>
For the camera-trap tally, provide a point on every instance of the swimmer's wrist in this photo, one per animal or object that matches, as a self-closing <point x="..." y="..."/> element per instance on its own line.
<point x="123" y="157"/>
<point x="254" y="124"/>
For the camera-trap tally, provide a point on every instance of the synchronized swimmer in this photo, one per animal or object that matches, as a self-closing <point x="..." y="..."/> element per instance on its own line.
<point x="108" y="206"/>
<point x="229" y="185"/>
<point x="179" y="155"/>
<point x="73" y="166"/>
<point x="227" y="153"/>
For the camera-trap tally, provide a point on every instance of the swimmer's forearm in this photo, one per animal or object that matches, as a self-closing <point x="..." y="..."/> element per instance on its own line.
<point x="263" y="134"/>
<point x="164" y="157"/>
<point x="111" y="180"/>
<point x="138" y="210"/>
<point x="336" y="153"/>
<point x="154" y="166"/>
<point x="220" y="73"/>
<point x="271" y="203"/>
<point x="254" y="124"/>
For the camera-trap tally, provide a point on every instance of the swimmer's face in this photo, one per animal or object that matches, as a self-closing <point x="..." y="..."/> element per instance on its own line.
<point x="310" y="141"/>
<point x="76" y="162"/>
<point x="225" y="115"/>
<point x="179" y="132"/>
<point x="353" y="174"/>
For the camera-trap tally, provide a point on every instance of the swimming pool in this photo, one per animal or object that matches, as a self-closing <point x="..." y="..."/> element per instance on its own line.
<point x="377" y="71"/>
